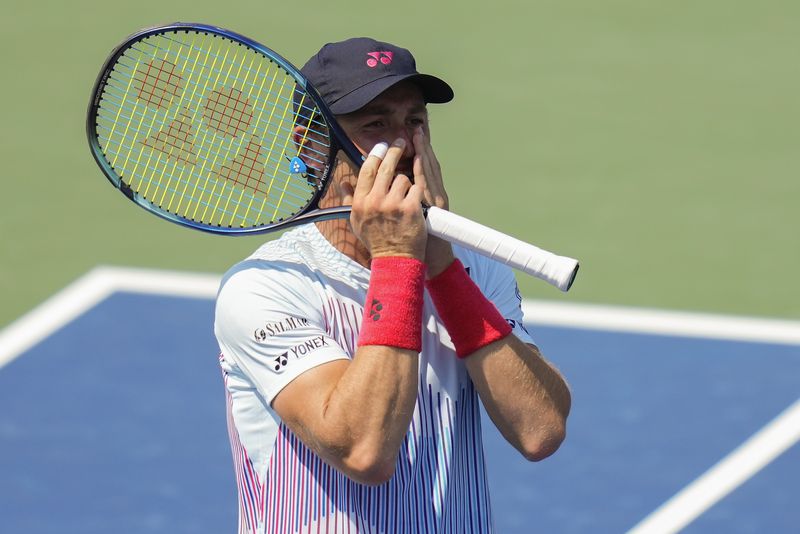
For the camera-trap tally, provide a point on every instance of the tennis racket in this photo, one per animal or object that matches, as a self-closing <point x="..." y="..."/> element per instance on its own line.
<point x="199" y="125"/>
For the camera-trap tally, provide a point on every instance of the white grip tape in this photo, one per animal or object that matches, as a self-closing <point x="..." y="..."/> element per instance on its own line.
<point x="556" y="270"/>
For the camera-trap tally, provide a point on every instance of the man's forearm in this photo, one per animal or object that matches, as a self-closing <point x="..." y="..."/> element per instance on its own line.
<point x="355" y="413"/>
<point x="374" y="401"/>
<point x="526" y="397"/>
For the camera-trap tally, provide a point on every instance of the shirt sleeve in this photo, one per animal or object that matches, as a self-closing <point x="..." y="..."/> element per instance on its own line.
<point x="268" y="322"/>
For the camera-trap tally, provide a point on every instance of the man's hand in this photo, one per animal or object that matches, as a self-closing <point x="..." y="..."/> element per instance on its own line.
<point x="387" y="208"/>
<point x="428" y="175"/>
<point x="428" y="172"/>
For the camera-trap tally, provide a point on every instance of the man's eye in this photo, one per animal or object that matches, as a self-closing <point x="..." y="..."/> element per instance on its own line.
<point x="374" y="124"/>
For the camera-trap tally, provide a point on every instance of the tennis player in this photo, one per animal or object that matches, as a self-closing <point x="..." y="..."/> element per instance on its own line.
<point x="354" y="352"/>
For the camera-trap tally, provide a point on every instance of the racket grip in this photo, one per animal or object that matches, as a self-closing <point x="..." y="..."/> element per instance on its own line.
<point x="559" y="271"/>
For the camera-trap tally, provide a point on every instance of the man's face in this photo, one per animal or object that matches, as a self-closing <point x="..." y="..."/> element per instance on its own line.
<point x="396" y="113"/>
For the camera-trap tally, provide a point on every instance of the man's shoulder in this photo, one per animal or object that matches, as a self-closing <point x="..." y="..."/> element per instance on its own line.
<point x="278" y="264"/>
<point x="294" y="246"/>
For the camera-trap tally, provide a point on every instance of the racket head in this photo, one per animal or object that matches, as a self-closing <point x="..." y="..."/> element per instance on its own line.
<point x="212" y="130"/>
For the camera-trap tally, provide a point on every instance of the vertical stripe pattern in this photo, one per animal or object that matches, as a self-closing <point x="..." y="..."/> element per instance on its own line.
<point x="439" y="484"/>
<point x="248" y="483"/>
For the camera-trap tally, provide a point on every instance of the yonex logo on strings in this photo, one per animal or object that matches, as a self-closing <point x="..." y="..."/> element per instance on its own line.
<point x="379" y="57"/>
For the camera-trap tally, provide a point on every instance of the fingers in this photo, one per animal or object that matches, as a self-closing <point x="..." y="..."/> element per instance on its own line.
<point x="378" y="171"/>
<point x="369" y="169"/>
<point x="420" y="176"/>
<point x="404" y="191"/>
<point x="387" y="207"/>
<point x="414" y="196"/>
<point x="387" y="170"/>
<point x="427" y="171"/>
<point x="422" y="154"/>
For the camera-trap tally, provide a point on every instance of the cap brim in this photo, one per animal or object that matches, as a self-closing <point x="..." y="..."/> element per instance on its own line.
<point x="434" y="91"/>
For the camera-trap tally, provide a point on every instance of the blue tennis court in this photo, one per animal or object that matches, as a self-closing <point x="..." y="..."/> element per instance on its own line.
<point x="115" y="422"/>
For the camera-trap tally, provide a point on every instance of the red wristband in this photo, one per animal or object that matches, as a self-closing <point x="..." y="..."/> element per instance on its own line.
<point x="469" y="317"/>
<point x="393" y="309"/>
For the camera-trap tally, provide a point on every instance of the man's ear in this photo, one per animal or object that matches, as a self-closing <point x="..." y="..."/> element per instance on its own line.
<point x="304" y="141"/>
<point x="300" y="136"/>
<point x="312" y="144"/>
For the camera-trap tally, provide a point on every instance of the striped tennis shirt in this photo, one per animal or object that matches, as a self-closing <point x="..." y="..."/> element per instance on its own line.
<point x="296" y="303"/>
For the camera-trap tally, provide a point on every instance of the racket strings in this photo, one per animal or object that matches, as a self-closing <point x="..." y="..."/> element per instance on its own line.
<point x="157" y="85"/>
<point x="200" y="157"/>
<point x="182" y="141"/>
<point x="307" y="110"/>
<point x="227" y="112"/>
<point x="316" y="126"/>
<point x="316" y="155"/>
<point x="210" y="152"/>
<point x="209" y="198"/>
<point x="177" y="140"/>
<point x="307" y="114"/>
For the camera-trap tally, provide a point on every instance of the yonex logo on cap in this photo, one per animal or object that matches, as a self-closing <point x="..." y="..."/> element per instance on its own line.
<point x="375" y="57"/>
<point x="352" y="73"/>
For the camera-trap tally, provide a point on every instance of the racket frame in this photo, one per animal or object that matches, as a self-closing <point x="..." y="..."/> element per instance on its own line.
<point x="338" y="138"/>
<point x="560" y="274"/>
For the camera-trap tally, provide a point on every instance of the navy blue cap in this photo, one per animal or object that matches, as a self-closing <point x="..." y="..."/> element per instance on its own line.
<point x="350" y="74"/>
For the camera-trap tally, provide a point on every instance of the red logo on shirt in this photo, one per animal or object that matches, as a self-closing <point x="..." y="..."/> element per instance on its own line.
<point x="376" y="57"/>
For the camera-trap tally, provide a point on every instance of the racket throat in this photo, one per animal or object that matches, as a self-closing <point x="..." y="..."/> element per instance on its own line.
<point x="323" y="214"/>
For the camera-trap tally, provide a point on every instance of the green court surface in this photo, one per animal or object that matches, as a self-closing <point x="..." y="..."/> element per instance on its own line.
<point x="656" y="141"/>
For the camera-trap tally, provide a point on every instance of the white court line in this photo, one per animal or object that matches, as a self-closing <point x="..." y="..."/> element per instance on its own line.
<point x="676" y="513"/>
<point x="87" y="292"/>
<point x="727" y="475"/>
<point x="52" y="314"/>
<point x="96" y="285"/>
<point x="671" y="323"/>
